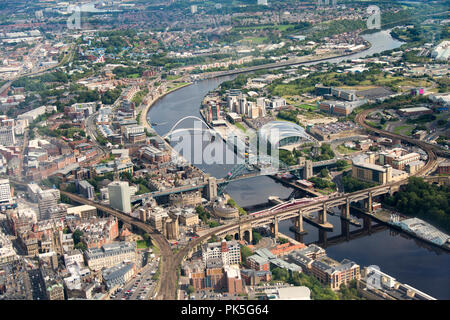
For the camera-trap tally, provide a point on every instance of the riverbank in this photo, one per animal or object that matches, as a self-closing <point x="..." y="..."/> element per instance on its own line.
<point x="143" y="113"/>
<point x="298" y="61"/>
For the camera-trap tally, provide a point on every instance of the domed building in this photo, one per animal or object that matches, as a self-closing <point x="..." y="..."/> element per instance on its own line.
<point x="282" y="133"/>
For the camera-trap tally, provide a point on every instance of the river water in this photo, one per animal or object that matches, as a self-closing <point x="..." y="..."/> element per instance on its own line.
<point x="408" y="260"/>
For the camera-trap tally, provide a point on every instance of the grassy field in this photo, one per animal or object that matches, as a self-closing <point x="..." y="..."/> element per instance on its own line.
<point x="240" y="126"/>
<point x="255" y="40"/>
<point x="172" y="77"/>
<point x="308" y="107"/>
<point x="142" y="244"/>
<point x="404" y="129"/>
<point x="344" y="150"/>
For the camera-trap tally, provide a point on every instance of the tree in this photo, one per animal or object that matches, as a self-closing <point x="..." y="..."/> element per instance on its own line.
<point x="256" y="237"/>
<point x="190" y="289"/>
<point x="76" y="236"/>
<point x="245" y="253"/>
<point x="324" y="173"/>
<point x="341" y="164"/>
<point x="81" y="246"/>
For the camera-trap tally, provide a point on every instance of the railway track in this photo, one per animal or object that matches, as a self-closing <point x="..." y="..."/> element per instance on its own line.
<point x="429" y="149"/>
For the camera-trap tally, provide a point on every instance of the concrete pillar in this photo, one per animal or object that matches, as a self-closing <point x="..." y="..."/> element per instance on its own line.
<point x="345" y="210"/>
<point x="323" y="214"/>
<point x="369" y="202"/>
<point x="300" y="222"/>
<point x="275" y="227"/>
<point x="307" y="170"/>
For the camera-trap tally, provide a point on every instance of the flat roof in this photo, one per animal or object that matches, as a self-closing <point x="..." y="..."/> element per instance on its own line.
<point x="414" y="109"/>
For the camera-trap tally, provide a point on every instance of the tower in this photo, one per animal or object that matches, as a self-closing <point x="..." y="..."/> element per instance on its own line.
<point x="307" y="170"/>
<point x="212" y="189"/>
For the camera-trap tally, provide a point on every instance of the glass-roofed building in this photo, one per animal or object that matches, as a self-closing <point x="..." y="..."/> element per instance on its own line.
<point x="282" y="133"/>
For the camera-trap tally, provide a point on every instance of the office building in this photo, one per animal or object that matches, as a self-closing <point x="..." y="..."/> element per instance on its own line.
<point x="120" y="196"/>
<point x="333" y="273"/>
<point x="7" y="136"/>
<point x="5" y="191"/>
<point x="86" y="189"/>
<point x="365" y="169"/>
<point x="228" y="251"/>
<point x="118" y="275"/>
<point x="110" y="255"/>
<point x="46" y="200"/>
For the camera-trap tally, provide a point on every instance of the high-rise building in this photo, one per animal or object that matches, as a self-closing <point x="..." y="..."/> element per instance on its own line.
<point x="47" y="200"/>
<point x="5" y="191"/>
<point x="242" y="105"/>
<point x="120" y="196"/>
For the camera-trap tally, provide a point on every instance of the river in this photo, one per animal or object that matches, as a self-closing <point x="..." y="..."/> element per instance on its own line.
<point x="404" y="258"/>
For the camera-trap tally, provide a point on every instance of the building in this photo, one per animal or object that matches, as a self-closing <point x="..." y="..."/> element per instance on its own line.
<point x="336" y="130"/>
<point x="254" y="277"/>
<point x="234" y="282"/>
<point x="33" y="191"/>
<point x="74" y="256"/>
<point x="118" y="275"/>
<point x="7" y="136"/>
<point x="84" y="211"/>
<point x="276" y="134"/>
<point x="442" y="51"/>
<point x="398" y="158"/>
<point x="7" y="252"/>
<point x="211" y="277"/>
<point x="46" y="200"/>
<point x="188" y="199"/>
<point x="187" y="217"/>
<point x="110" y="255"/>
<point x="55" y="291"/>
<point x="333" y="273"/>
<point x="5" y="191"/>
<point x="415" y="111"/>
<point x="258" y="263"/>
<point x="86" y="189"/>
<point x="157" y="218"/>
<point x="444" y="167"/>
<point x="228" y="251"/>
<point x="365" y="169"/>
<point x="289" y="293"/>
<point x="120" y="196"/>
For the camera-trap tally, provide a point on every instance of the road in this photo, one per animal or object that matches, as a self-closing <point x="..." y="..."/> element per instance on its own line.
<point x="168" y="267"/>
<point x="142" y="286"/>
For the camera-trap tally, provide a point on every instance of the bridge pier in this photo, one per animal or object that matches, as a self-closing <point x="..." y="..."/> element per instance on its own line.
<point x="274" y="227"/>
<point x="323" y="214"/>
<point x="299" y="224"/>
<point x="368" y="203"/>
<point x="345" y="210"/>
